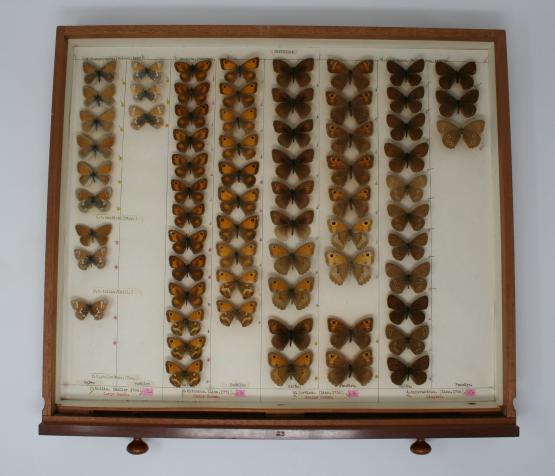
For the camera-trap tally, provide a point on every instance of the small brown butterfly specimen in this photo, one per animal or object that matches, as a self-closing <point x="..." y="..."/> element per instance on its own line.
<point x="342" y="368"/>
<point x="90" y="121"/>
<point x="283" y="368"/>
<point x="88" y="145"/>
<point x="449" y="75"/>
<point x="342" y="107"/>
<point x="341" y="265"/>
<point x="244" y="70"/>
<point x="343" y="170"/>
<point x="140" y="92"/>
<point x="298" y="165"/>
<point x="244" y="283"/>
<point x="342" y="233"/>
<point x="232" y="174"/>
<point x="244" y="312"/>
<point x="287" y="225"/>
<point x="182" y="295"/>
<point x="152" y="71"/>
<point x="89" y="174"/>
<point x="400" y="217"/>
<point x="187" y="71"/>
<point x="343" y="75"/>
<point x="398" y="188"/>
<point x="288" y="104"/>
<point x="412" y="101"/>
<point x="83" y="309"/>
<point x="180" y="322"/>
<point x="140" y="117"/>
<point x="193" y="191"/>
<point x="181" y="268"/>
<point x="229" y="229"/>
<point x="401" y="311"/>
<point x="341" y="333"/>
<point x="187" y="141"/>
<point x="180" y="348"/>
<point x="470" y="132"/>
<point x="185" y="166"/>
<point x="197" y="93"/>
<point x="88" y="200"/>
<point x="343" y="200"/>
<point x="299" y="73"/>
<point x="399" y="341"/>
<point x="449" y="105"/>
<point x="88" y="235"/>
<point x="413" y="159"/>
<point x="105" y="72"/>
<point x="233" y="95"/>
<point x="183" y="242"/>
<point x="401" y="247"/>
<point x="283" y="335"/>
<point x="245" y="147"/>
<point x="243" y="255"/>
<point x="299" y="134"/>
<point x="195" y="117"/>
<point x="401" y="372"/>
<point x="401" y="129"/>
<point x="344" y="139"/>
<point x="189" y="375"/>
<point x="230" y="200"/>
<point x="244" y="120"/>
<point x="185" y="215"/>
<point x="401" y="279"/>
<point x="411" y="74"/>
<point x="86" y="259"/>
<point x="104" y="96"/>
<point x="286" y="259"/>
<point x="297" y="294"/>
<point x="299" y="195"/>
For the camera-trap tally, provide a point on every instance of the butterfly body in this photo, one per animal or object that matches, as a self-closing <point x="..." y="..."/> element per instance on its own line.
<point x="197" y="93"/>
<point x="245" y="70"/>
<point x="286" y="259"/>
<point x="299" y="73"/>
<point x="87" y="200"/>
<point x="357" y="201"/>
<point x="343" y="107"/>
<point x="185" y="166"/>
<point x="83" y="309"/>
<point x="88" y="145"/>
<point x="183" y="215"/>
<point x="189" y="375"/>
<point x="104" y="120"/>
<point x="183" y="242"/>
<point x="283" y="335"/>
<point x="198" y="70"/>
<point x="401" y="372"/>
<point x="449" y="75"/>
<point x="401" y="311"/>
<point x="230" y="256"/>
<point x="298" y="294"/>
<point x="140" y="92"/>
<point x="341" y="368"/>
<point x="88" y="235"/>
<point x="180" y="348"/>
<point x="288" y="165"/>
<point x="399" y="341"/>
<point x="153" y="71"/>
<point x="411" y="74"/>
<point x="343" y="75"/>
<point x="244" y="283"/>
<point x="244" y="313"/>
<point x="179" y="321"/>
<point x="401" y="279"/>
<point x="92" y="72"/>
<point x="288" y="226"/>
<point x="104" y="96"/>
<point x="86" y="259"/>
<point x="229" y="200"/>
<point x="229" y="229"/>
<point x="232" y="174"/>
<point x="195" y="117"/>
<point x="193" y="269"/>
<point x="182" y="295"/>
<point x="283" y="369"/>
<point x="341" y="333"/>
<point x="343" y="233"/>
<point x="340" y="266"/>
<point x="451" y="134"/>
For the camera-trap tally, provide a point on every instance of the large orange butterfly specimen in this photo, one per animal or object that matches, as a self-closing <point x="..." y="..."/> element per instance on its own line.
<point x="449" y="75"/>
<point x="104" y="120"/>
<point x="343" y="170"/>
<point x="89" y="174"/>
<point x="193" y="191"/>
<point x="179" y="321"/>
<point x="183" y="242"/>
<point x="140" y="92"/>
<point x="180" y="348"/>
<point x="288" y="104"/>
<point x="343" y="75"/>
<point x="86" y="259"/>
<point x="342" y="333"/>
<point x="299" y="195"/>
<point x="87" y="200"/>
<point x="88" y="145"/>
<point x="185" y="166"/>
<point x="243" y="255"/>
<point x="188" y="141"/>
<point x="344" y="139"/>
<point x="398" y="188"/>
<point x="398" y="74"/>
<point x="412" y="101"/>
<point x="244" y="313"/>
<point x="83" y="308"/>
<point x="342" y="368"/>
<point x="298" y="165"/>
<point x="105" y="72"/>
<point x="285" y="259"/>
<point x="470" y="132"/>
<point x="244" y="283"/>
<point x="198" y="70"/>
<point x="189" y="375"/>
<point x="342" y="232"/>
<point x="299" y="73"/>
<point x="399" y="341"/>
<point x="104" y="96"/>
<point x="401" y="311"/>
<point x="182" y="295"/>
<point x="400" y="217"/>
<point x="299" y="134"/>
<point x="153" y="71"/>
<point x="195" y="117"/>
<point x="243" y="120"/>
<point x="401" y="247"/>
<point x="197" y="93"/>
<point x="297" y="294"/>
<point x="232" y="174"/>
<point x="229" y="229"/>
<point x="233" y="95"/>
<point x="465" y="105"/>
<point x="184" y="215"/>
<point x="342" y="107"/>
<point x="288" y="226"/>
<point x="401" y="129"/>
<point x="88" y="235"/>
<point x="283" y="335"/>
<point x="401" y="159"/>
<point x="230" y="200"/>
<point x="283" y="368"/>
<point x="400" y="279"/>
<point x="140" y="117"/>
<point x="193" y="269"/>
<point x="343" y="200"/>
<point x="232" y="147"/>
<point x="341" y="265"/>
<point x="401" y="372"/>
<point x="245" y="70"/>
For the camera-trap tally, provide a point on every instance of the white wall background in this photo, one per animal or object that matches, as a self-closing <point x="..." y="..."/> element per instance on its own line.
<point x="27" y="36"/>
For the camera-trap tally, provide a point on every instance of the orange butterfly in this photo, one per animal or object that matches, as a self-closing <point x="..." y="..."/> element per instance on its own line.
<point x="152" y="71"/>
<point x="244" y="313"/>
<point x="89" y="174"/>
<point x="104" y="96"/>
<point x="286" y="259"/>
<point x="197" y="93"/>
<point x="283" y="369"/>
<point x="86" y="259"/>
<point x="195" y="117"/>
<point x="244" y="255"/>
<point x="233" y="95"/>
<point x="90" y="121"/>
<point x="180" y="322"/>
<point x="187" y="70"/>
<point x="244" y="283"/>
<point x="341" y="368"/>
<point x="245" y="70"/>
<point x="182" y="295"/>
<point x="185" y="166"/>
<point x="190" y="375"/>
<point x="192" y="191"/>
<point x="341" y="265"/>
<point x="88" y="235"/>
<point x="83" y="309"/>
<point x="88" y="145"/>
<point x="187" y="141"/>
<point x="181" y="268"/>
<point x="229" y="229"/>
<point x="92" y="72"/>
<point x="184" y="215"/>
<point x="231" y="173"/>
<point x="229" y="200"/>
<point x="357" y="201"/>
<point x="140" y="117"/>
<point x="140" y="92"/>
<point x="245" y="147"/>
<point x="87" y="200"/>
<point x="342" y="233"/>
<point x="182" y="242"/>
<point x="179" y="347"/>
<point x="244" y="120"/>
<point x="297" y="294"/>
<point x="343" y="75"/>
<point x="356" y="107"/>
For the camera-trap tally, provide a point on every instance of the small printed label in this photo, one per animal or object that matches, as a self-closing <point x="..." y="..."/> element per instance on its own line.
<point x="240" y="392"/>
<point x="470" y="392"/>
<point x="147" y="392"/>
<point x="352" y="393"/>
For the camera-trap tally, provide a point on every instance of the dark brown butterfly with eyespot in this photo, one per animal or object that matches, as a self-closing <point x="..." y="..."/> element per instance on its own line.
<point x="230" y="200"/>
<point x="342" y="333"/>
<point x="449" y="105"/>
<point x="449" y="75"/>
<point x="398" y="74"/>
<point x="232" y="147"/>
<point x="233" y="95"/>
<point x="104" y="96"/>
<point x="298" y="165"/>
<point x="344" y="139"/>
<point x="244" y="283"/>
<point x="401" y="129"/>
<point x="283" y="335"/>
<point x="416" y="371"/>
<point x="287" y="225"/>
<point x="342" y="232"/>
<point x="193" y="191"/>
<point x="244" y="312"/>
<point x="180" y="348"/>
<point x="288" y="104"/>
<point x="400" y="247"/>
<point x="189" y="375"/>
<point x="285" y="259"/>
<point x="299" y="73"/>
<point x="399" y="341"/>
<point x="229" y="229"/>
<point x="182" y="295"/>
<point x="299" y="134"/>
<point x="188" y="141"/>
<point x="85" y="259"/>
<point x="87" y="200"/>
<point x="197" y="93"/>
<point x="243" y="120"/>
<point x="342" y="368"/>
<point x="140" y="117"/>
<point x="451" y="134"/>
<point x="398" y="188"/>
<point x="194" y="269"/>
<point x="140" y="92"/>
<point x="105" y="72"/>
<point x="340" y="266"/>
<point x="195" y="117"/>
<point x="185" y="166"/>
<point x="343" y="170"/>
<point x="413" y="159"/>
<point x="283" y="369"/>
<point x="246" y="70"/>
<point x="358" y="201"/>
<point x="401" y="311"/>
<point x="343" y="75"/>
<point x="152" y="71"/>
<point x="185" y="215"/>
<point x="89" y="174"/>
<point x="83" y="308"/>
<point x="243" y="255"/>
<point x="183" y="242"/>
<point x="299" y="195"/>
<point x="284" y="293"/>
<point x="90" y="121"/>
<point x="231" y="174"/>
<point x="187" y="70"/>
<point x="88" y="145"/>
<point x="179" y="321"/>
<point x="88" y="235"/>
<point x="400" y="279"/>
<point x="400" y="217"/>
<point x="342" y="107"/>
<point x="412" y="101"/>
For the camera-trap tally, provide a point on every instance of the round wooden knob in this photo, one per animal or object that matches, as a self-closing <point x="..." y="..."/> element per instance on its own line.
<point x="137" y="447"/>
<point x="420" y="447"/>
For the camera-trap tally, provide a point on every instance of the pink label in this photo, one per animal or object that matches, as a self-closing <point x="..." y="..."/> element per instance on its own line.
<point x="352" y="393"/>
<point x="240" y="392"/>
<point x="147" y="392"/>
<point x="470" y="392"/>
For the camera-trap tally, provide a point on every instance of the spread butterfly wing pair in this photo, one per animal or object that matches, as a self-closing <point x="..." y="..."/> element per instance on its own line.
<point x="238" y="95"/>
<point x="140" y="92"/>
<point x="400" y="311"/>
<point x="197" y="93"/>
<point x="185" y="191"/>
<point x="195" y="117"/>
<point x="283" y="368"/>
<point x="284" y="294"/>
<point x="298" y="165"/>
<point x="180" y="348"/>
<point x="244" y="312"/>
<point x="342" y="265"/>
<point x="298" y="73"/>
<point x="344" y="139"/>
<point x="299" y="134"/>
<point x="93" y="72"/>
<point x="243" y="255"/>
<point x="89" y="174"/>
<point x="343" y="200"/>
<point x="83" y="308"/>
<point x="182" y="295"/>
<point x="451" y="134"/>
<point x="193" y="269"/>
<point x="449" y="75"/>
<point x="343" y="75"/>
<point x="184" y="216"/>
<point x="400" y="217"/>
<point x="232" y="174"/>
<point x="188" y="71"/>
<point x="416" y="371"/>
<point x="152" y="71"/>
<point x="342" y="107"/>
<point x="411" y="74"/>
<point x="399" y="341"/>
<point x="87" y="200"/>
<point x="414" y="188"/>
<point x="153" y="117"/>
<point x="286" y="225"/>
<point x="230" y="200"/>
<point x="342" y="368"/>
<point x="343" y="170"/>
<point x="244" y="283"/>
<point x="233" y="147"/>
<point x="179" y="321"/>
<point x="242" y="120"/>
<point x="88" y="145"/>
<point x="245" y="70"/>
<point x="104" y="120"/>
<point x="288" y="104"/>
<point x="342" y="333"/>
<point x="88" y="235"/>
<point x="411" y="101"/>
<point x="189" y="375"/>
<point x="86" y="259"/>
<point x="299" y="334"/>
<point x="400" y="247"/>
<point x="299" y="195"/>
<point x="185" y="166"/>
<point x="285" y="259"/>
<point x="401" y="129"/>
<point x="342" y="233"/>
<point x="186" y="140"/>
<point x="401" y="159"/>
<point x="104" y="96"/>
<point x="245" y="229"/>
<point x="400" y="278"/>
<point x="449" y="105"/>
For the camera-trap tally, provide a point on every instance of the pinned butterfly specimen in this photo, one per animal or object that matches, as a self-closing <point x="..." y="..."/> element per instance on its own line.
<point x="104" y="96"/>
<point x="288" y="104"/>
<point x="342" y="368"/>
<point x="341" y="265"/>
<point x="243" y="255"/>
<point x="470" y="132"/>
<point x="151" y="71"/>
<point x="188" y="141"/>
<point x="297" y="294"/>
<point x="412" y="101"/>
<point x="286" y="259"/>
<point x="182" y="295"/>
<point x="401" y="159"/>
<point x="195" y="117"/>
<point x="83" y="308"/>
<point x="243" y="120"/>
<point x="401" y="372"/>
<point x="401" y="311"/>
<point x="398" y="188"/>
<point x="344" y="139"/>
<point x="288" y="226"/>
<point x="299" y="134"/>
<point x="229" y="229"/>
<point x="180" y="348"/>
<point x="245" y="147"/>
<point x="342" y="232"/>
<point x="283" y="335"/>
<point x="198" y="70"/>
<point x="140" y="92"/>
<point x="232" y="174"/>
<point x="398" y="74"/>
<point x="449" y="75"/>
<point x="244" y="283"/>
<point x="299" y="195"/>
<point x="185" y="215"/>
<point x="180" y="322"/>
<point x="342" y="107"/>
<point x="183" y="242"/>
<point x="245" y="70"/>
<point x="87" y="200"/>
<point x="401" y="247"/>
<point x="283" y="369"/>
<point x="298" y="165"/>
<point x="299" y="73"/>
<point x="233" y="95"/>
<point x="88" y="235"/>
<point x="230" y="200"/>
<point x="189" y="375"/>
<point x="88" y="145"/>
<point x="244" y="313"/>
<point x="93" y="73"/>
<point x="86" y="259"/>
<point x="197" y="93"/>
<point x="185" y="166"/>
<point x="341" y="333"/>
<point x="193" y="269"/>
<point x="465" y="105"/>
<point x="400" y="217"/>
<point x="400" y="129"/>
<point x="343" y="75"/>
<point x="343" y="200"/>
<point x="343" y="170"/>
<point x="104" y="120"/>
<point x="401" y="278"/>
<point x="89" y="174"/>
<point x="140" y="117"/>
<point x="193" y="191"/>
<point x="399" y="341"/>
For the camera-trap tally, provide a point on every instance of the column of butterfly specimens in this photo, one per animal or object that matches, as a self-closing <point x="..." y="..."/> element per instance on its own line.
<point x="146" y="90"/>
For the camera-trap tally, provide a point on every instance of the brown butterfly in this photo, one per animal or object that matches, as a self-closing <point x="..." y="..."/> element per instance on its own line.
<point x="185" y="166"/>
<point x="195" y="117"/>
<point x="341" y="265"/>
<point x="244" y="120"/>
<point x="88" y="200"/>
<point x="343" y="170"/>
<point x="412" y="101"/>
<point x="140" y="92"/>
<point x="233" y="95"/>
<point x="244" y="313"/>
<point x="401" y="217"/>
<point x="187" y="141"/>
<point x="449" y="75"/>
<point x="88" y="235"/>
<point x="181" y="268"/>
<point x="344" y="139"/>
<point x="182" y="295"/>
<point x="183" y="242"/>
<point x="245" y="147"/>
<point x="105" y="72"/>
<point x="342" y="233"/>
<point x="197" y="93"/>
<point x="193" y="191"/>
<point x="298" y="165"/>
<point x="244" y="283"/>
<point x="470" y="132"/>
<point x="342" y="368"/>
<point x="104" y="96"/>
<point x="90" y="121"/>
<point x="229" y="229"/>
<point x="187" y="71"/>
<point x="283" y="369"/>
<point x="343" y="75"/>
<point x="401" y="279"/>
<point x="287" y="225"/>
<point x="299" y="73"/>
<point x="284" y="335"/>
<point x="300" y="195"/>
<point x="413" y="159"/>
<point x="401" y="247"/>
<point x="244" y="70"/>
<point x="356" y="107"/>
<point x="299" y="134"/>
<point x="231" y="173"/>
<point x="89" y="174"/>
<point x="140" y="117"/>
<point x="230" y="200"/>
<point x="399" y="341"/>
<point x="179" y="375"/>
<point x="400" y="129"/>
<point x="244" y="255"/>
<point x="401" y="311"/>
<point x="343" y="200"/>
<point x="88" y="145"/>
<point x="286" y="259"/>
<point x="152" y="71"/>
<point x="398" y="188"/>
<point x="86" y="259"/>
<point x="180" y="322"/>
<point x="411" y="74"/>
<point x="341" y="333"/>
<point x="297" y="294"/>
<point x="466" y="104"/>
<point x="185" y="215"/>
<point x="288" y="104"/>
<point x="401" y="372"/>
<point x="83" y="309"/>
<point x="180" y="348"/>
